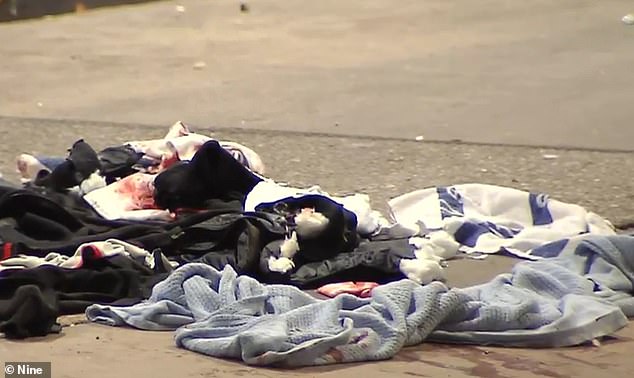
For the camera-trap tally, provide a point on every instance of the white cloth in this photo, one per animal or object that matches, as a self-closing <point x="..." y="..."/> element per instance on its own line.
<point x="130" y="198"/>
<point x="489" y="219"/>
<point x="157" y="148"/>
<point x="182" y="144"/>
<point x="29" y="166"/>
<point x="244" y="155"/>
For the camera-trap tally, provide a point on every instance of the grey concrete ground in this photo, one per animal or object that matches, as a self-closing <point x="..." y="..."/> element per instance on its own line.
<point x="495" y="71"/>
<point x="284" y="75"/>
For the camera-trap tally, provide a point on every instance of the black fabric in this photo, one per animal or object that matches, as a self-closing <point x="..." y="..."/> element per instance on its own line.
<point x="376" y="261"/>
<point x="230" y="239"/>
<point x="33" y="224"/>
<point x="71" y="201"/>
<point x="213" y="173"/>
<point x="239" y="239"/>
<point x="28" y="311"/>
<point x="207" y="194"/>
<point x="340" y="235"/>
<point x="81" y="162"/>
<point x="118" y="162"/>
<point x="19" y="203"/>
<point x="32" y="299"/>
<point x="36" y="225"/>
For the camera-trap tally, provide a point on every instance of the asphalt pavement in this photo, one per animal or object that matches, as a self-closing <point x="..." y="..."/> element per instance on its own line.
<point x="522" y="72"/>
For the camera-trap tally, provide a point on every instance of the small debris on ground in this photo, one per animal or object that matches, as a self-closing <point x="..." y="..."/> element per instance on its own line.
<point x="200" y="65"/>
<point x="244" y="7"/>
<point x="628" y="19"/>
<point x="419" y="138"/>
<point x="550" y="156"/>
<point x="180" y="9"/>
<point x="73" y="320"/>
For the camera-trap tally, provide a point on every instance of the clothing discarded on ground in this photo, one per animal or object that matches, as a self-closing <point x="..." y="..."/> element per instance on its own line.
<point x="186" y="233"/>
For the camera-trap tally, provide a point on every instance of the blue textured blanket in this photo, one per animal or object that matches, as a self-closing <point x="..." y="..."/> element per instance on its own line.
<point x="581" y="292"/>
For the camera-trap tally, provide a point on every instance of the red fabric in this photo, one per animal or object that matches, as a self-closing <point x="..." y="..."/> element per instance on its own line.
<point x="360" y="289"/>
<point x="6" y="251"/>
<point x="96" y="252"/>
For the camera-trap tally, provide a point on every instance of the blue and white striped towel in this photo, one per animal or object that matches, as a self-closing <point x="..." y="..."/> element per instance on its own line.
<point x="490" y="219"/>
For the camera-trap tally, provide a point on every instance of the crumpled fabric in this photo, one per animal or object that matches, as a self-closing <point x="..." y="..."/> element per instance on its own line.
<point x="107" y="248"/>
<point x="570" y="299"/>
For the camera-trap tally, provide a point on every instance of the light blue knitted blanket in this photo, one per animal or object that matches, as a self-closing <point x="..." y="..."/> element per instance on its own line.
<point x="581" y="293"/>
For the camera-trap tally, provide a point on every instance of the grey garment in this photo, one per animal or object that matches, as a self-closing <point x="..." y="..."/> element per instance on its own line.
<point x="565" y="300"/>
<point x="27" y="262"/>
<point x="590" y="275"/>
<point x="238" y="317"/>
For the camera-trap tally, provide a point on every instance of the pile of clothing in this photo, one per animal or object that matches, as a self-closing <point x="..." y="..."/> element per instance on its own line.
<point x="187" y="233"/>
